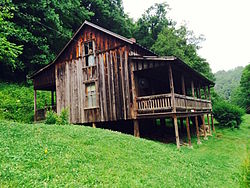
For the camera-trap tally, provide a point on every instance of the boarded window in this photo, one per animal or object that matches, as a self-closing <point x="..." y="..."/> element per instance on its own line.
<point x="91" y="95"/>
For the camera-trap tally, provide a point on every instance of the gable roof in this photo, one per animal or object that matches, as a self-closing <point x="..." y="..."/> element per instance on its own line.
<point x="100" y="29"/>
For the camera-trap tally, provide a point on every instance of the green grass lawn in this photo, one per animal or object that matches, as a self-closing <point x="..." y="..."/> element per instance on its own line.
<point x="78" y="156"/>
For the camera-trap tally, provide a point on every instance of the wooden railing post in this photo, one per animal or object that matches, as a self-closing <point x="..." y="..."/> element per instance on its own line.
<point x="35" y="107"/>
<point x="183" y="89"/>
<point x="171" y="83"/>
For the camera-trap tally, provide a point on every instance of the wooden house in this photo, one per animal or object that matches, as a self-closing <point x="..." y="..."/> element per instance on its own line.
<point x="100" y="76"/>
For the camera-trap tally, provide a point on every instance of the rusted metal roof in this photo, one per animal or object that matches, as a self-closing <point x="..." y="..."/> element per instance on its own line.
<point x="131" y="42"/>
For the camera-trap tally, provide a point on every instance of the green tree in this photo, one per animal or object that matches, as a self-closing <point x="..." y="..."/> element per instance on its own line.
<point x="245" y="87"/>
<point x="9" y="51"/>
<point x="46" y="26"/>
<point x="151" y="24"/>
<point x="183" y="44"/>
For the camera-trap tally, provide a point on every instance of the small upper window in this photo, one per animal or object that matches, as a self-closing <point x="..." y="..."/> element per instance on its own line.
<point x="89" y="53"/>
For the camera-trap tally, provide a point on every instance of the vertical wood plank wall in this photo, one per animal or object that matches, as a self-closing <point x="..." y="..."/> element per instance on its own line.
<point x="113" y="85"/>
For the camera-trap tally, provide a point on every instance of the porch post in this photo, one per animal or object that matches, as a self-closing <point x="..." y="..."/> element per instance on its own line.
<point x="183" y="85"/>
<point x="136" y="128"/>
<point x="188" y="132"/>
<point x="197" y="130"/>
<point x="183" y="89"/>
<point x="35" y="107"/>
<point x="205" y="92"/>
<point x="176" y="131"/>
<point x="204" y="127"/>
<point x="208" y="122"/>
<point x="199" y="91"/>
<point x="212" y="120"/>
<point x="52" y="99"/>
<point x="171" y="83"/>
<point x="192" y="87"/>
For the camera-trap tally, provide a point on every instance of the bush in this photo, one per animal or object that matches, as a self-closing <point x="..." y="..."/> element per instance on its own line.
<point x="227" y="115"/>
<point x="51" y="117"/>
<point x="63" y="118"/>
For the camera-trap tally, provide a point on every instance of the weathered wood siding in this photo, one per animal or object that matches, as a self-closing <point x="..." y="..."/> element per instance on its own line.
<point x="111" y="78"/>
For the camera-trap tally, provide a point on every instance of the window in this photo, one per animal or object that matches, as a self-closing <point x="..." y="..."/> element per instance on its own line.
<point x="89" y="53"/>
<point x="91" y="95"/>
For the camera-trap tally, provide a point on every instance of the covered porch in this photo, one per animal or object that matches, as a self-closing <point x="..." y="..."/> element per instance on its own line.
<point x="165" y="87"/>
<point x="44" y="81"/>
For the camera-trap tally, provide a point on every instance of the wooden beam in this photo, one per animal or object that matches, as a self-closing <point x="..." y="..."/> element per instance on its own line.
<point x="199" y="90"/>
<point x="183" y="85"/>
<point x="204" y="127"/>
<point x="212" y="120"/>
<point x="136" y="128"/>
<point x="197" y="130"/>
<point x="209" y="96"/>
<point x="205" y="92"/>
<point x="188" y="132"/>
<point x="171" y="83"/>
<point x="192" y="87"/>
<point x="208" y="122"/>
<point x="35" y="106"/>
<point x="176" y="132"/>
<point x="52" y="98"/>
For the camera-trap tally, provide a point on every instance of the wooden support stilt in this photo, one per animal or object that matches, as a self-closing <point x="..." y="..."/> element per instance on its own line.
<point x="93" y="125"/>
<point x="212" y="121"/>
<point x="35" y="107"/>
<point x="136" y="128"/>
<point x="204" y="127"/>
<point x="208" y="122"/>
<point x="188" y="132"/>
<point x="52" y="98"/>
<point x="197" y="130"/>
<point x="176" y="132"/>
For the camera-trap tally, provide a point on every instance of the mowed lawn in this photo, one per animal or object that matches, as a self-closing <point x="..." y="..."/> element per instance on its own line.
<point x="38" y="155"/>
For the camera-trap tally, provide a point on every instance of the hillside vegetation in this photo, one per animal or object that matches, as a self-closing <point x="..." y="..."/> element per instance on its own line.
<point x="17" y="102"/>
<point x="38" y="155"/>
<point x="227" y="81"/>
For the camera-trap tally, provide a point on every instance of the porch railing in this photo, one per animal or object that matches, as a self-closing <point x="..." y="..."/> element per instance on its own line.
<point x="154" y="103"/>
<point x="163" y="103"/>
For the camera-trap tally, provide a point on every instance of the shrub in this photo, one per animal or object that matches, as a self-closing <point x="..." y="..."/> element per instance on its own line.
<point x="227" y="115"/>
<point x="63" y="118"/>
<point x="51" y="117"/>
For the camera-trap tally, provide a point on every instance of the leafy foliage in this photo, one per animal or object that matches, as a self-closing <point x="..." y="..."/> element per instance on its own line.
<point x="159" y="34"/>
<point x="245" y="87"/>
<point x="227" y="83"/>
<point x="44" y="27"/>
<point x="227" y="115"/>
<point x="17" y="102"/>
<point x="9" y="51"/>
<point x="53" y="118"/>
